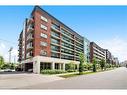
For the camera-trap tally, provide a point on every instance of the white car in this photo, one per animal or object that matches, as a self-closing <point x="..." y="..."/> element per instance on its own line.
<point x="1" y="70"/>
<point x="7" y="70"/>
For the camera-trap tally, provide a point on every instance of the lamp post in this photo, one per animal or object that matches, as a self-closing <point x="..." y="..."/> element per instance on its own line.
<point x="10" y="54"/>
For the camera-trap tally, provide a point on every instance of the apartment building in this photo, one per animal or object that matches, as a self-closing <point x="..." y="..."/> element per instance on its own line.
<point x="48" y="43"/>
<point x="87" y="49"/>
<point x="97" y="52"/>
<point x="108" y="56"/>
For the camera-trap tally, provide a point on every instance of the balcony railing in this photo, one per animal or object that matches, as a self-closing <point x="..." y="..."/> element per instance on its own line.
<point x="29" y="37"/>
<point x="29" y="46"/>
<point x="56" y="29"/>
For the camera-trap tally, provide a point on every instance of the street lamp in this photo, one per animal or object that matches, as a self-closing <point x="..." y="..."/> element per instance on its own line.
<point x="10" y="54"/>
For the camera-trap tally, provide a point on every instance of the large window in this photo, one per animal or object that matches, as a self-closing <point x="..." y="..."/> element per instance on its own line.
<point x="66" y="33"/>
<point x="43" y="27"/>
<point x="55" y="34"/>
<point x="43" y="44"/>
<point x="43" y="35"/>
<point x="55" y="48"/>
<point x="44" y="19"/>
<point x="54" y="41"/>
<point x="54" y="26"/>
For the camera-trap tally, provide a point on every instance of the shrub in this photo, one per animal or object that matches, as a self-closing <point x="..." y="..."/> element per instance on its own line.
<point x="52" y="71"/>
<point x="70" y="66"/>
<point x="85" y="66"/>
<point x="71" y="70"/>
<point x="90" y="66"/>
<point x="108" y="65"/>
<point x="98" y="66"/>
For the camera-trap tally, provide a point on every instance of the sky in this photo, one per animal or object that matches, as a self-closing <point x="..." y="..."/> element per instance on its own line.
<point x="105" y="25"/>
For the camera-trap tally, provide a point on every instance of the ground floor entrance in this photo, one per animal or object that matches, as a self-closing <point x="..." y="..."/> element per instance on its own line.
<point x="28" y="67"/>
<point x="39" y="63"/>
<point x="52" y="66"/>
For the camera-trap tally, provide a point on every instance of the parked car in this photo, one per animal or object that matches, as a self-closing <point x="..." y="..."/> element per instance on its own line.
<point x="7" y="70"/>
<point x="30" y="70"/>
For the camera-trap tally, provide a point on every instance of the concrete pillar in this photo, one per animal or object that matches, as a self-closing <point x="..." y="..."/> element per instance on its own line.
<point x="64" y="66"/>
<point x="60" y="66"/>
<point x="53" y="65"/>
<point x="23" y="67"/>
<point x="36" y="67"/>
<point x="77" y="66"/>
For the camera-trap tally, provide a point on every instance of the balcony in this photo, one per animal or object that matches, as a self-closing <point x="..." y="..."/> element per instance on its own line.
<point x="29" y="56"/>
<point x="29" y="47"/>
<point x="30" y="21"/>
<point x="55" y="36"/>
<point x="55" y="28"/>
<point x="30" y="29"/>
<point x="30" y="37"/>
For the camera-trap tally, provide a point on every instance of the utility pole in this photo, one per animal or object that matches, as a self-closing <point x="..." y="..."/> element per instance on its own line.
<point x="10" y="54"/>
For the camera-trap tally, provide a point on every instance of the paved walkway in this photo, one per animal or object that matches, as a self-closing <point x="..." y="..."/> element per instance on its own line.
<point x="113" y="79"/>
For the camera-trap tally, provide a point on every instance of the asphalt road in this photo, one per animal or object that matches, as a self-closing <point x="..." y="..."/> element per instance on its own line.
<point x="113" y="79"/>
<point x="19" y="80"/>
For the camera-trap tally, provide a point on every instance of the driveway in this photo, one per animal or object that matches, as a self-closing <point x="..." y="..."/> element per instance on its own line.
<point x="113" y="79"/>
<point x="11" y="80"/>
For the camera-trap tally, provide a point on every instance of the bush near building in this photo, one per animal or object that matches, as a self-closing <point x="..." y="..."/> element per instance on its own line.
<point x="70" y="67"/>
<point x="53" y="71"/>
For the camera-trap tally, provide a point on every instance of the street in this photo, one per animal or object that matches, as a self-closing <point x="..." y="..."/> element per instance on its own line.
<point x="13" y="80"/>
<point x="113" y="79"/>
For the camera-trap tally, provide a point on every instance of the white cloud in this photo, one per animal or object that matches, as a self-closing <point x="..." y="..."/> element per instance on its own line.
<point x="117" y="46"/>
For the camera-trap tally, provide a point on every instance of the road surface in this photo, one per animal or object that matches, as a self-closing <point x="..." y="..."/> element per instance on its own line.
<point x="14" y="80"/>
<point x="113" y="79"/>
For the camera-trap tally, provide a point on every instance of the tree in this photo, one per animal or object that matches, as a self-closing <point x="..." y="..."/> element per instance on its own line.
<point x="102" y="63"/>
<point x="90" y="66"/>
<point x="70" y="67"/>
<point x="1" y="61"/>
<point x="82" y="60"/>
<point x="94" y="65"/>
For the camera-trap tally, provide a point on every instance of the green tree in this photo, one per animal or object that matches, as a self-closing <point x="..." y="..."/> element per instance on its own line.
<point x="70" y="67"/>
<point x="90" y="66"/>
<point x="1" y="61"/>
<point x="94" y="65"/>
<point x="81" y="65"/>
<point x="85" y="66"/>
<point x="102" y="63"/>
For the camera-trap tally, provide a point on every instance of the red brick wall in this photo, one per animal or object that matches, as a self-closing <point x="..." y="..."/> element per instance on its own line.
<point x="38" y="31"/>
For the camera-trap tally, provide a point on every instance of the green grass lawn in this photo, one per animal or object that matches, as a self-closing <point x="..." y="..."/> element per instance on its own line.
<point x="84" y="73"/>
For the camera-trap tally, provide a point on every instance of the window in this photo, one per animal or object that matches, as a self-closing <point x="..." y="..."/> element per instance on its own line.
<point x="43" y="35"/>
<point x="43" y="44"/>
<point x="54" y="41"/>
<point x="43" y="27"/>
<point x="55" y="26"/>
<point x="44" y="19"/>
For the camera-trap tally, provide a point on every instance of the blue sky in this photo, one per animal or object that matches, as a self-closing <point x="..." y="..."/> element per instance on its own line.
<point x="105" y="25"/>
